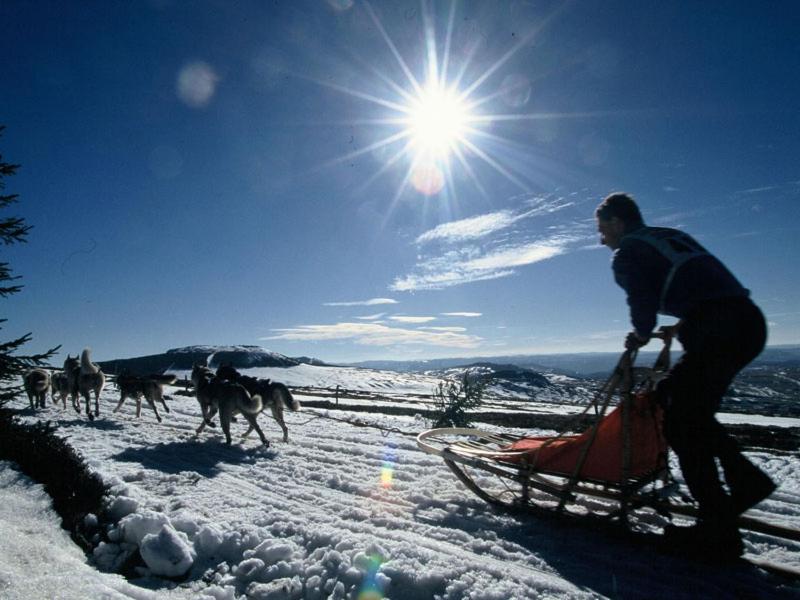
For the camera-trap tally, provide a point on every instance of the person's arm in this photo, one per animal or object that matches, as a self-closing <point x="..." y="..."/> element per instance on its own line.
<point x="635" y="274"/>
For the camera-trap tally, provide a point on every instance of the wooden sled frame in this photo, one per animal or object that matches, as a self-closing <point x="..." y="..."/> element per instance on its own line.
<point x="472" y="455"/>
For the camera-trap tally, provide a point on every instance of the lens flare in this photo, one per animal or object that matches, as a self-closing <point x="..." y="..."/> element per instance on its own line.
<point x="427" y="178"/>
<point x="196" y="84"/>
<point x="371" y="588"/>
<point x="387" y="468"/>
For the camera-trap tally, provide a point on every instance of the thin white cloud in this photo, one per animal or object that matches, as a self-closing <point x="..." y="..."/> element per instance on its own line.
<point x="467" y="229"/>
<point x="374" y="334"/>
<point x="494" y="245"/>
<point x="405" y="319"/>
<point x="374" y="317"/>
<point x="371" y="302"/>
<point x="758" y="190"/>
<point x="463" y="314"/>
<point x="444" y="328"/>
<point x="481" y="226"/>
<point x="470" y="265"/>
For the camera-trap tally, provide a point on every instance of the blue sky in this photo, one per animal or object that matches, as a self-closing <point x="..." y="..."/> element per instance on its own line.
<point x="291" y="174"/>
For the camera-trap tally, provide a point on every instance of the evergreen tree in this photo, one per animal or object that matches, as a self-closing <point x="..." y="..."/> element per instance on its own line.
<point x="454" y="400"/>
<point x="13" y="230"/>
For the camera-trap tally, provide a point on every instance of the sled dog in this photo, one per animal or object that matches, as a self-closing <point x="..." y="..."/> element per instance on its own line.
<point x="37" y="382"/>
<point x="59" y="384"/>
<point x="84" y="377"/>
<point x="273" y="394"/>
<point x="150" y="386"/>
<point x="215" y="394"/>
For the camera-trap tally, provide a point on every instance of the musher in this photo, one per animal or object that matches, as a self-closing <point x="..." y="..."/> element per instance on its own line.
<point x="666" y="271"/>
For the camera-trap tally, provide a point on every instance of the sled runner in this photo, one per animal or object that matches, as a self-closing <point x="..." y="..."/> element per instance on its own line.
<point x="616" y="458"/>
<point x="616" y="466"/>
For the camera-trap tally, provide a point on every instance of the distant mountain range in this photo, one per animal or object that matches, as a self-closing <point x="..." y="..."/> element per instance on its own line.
<point x="587" y="364"/>
<point x="180" y="359"/>
<point x="584" y="364"/>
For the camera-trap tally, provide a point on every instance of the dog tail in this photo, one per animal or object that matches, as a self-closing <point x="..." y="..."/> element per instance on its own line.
<point x="87" y="366"/>
<point x="168" y="379"/>
<point x="286" y="396"/>
<point x="252" y="405"/>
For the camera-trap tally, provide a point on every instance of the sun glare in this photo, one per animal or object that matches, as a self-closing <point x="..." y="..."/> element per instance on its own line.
<point x="437" y="122"/>
<point x="437" y="133"/>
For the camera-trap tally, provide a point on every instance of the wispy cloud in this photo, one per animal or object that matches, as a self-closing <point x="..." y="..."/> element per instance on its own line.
<point x="759" y="190"/>
<point x="374" y="334"/>
<point x="463" y="314"/>
<point x="467" y="229"/>
<point x="405" y="319"/>
<point x="495" y="244"/>
<point x="472" y="264"/>
<point x="371" y="302"/>
<point x="374" y="317"/>
<point x="458" y="329"/>
<point x="484" y="225"/>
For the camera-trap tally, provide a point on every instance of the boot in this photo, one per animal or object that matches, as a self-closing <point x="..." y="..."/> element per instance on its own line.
<point x="749" y="485"/>
<point x="714" y="537"/>
<point x="709" y="540"/>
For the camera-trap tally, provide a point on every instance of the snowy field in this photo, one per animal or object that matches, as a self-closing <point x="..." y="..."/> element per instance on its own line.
<point x="341" y="511"/>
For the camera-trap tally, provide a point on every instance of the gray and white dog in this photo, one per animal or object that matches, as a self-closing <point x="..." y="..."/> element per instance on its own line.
<point x="215" y="394"/>
<point x="84" y="377"/>
<point x="59" y="384"/>
<point x="36" y="382"/>
<point x="149" y="386"/>
<point x="273" y="394"/>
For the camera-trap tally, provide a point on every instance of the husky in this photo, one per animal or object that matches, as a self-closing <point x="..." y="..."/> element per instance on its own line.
<point x="273" y="394"/>
<point x="59" y="384"/>
<point x="37" y="383"/>
<point x="84" y="377"/>
<point x="150" y="386"/>
<point x="215" y="394"/>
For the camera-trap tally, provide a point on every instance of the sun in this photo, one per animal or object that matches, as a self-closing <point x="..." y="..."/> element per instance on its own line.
<point x="440" y="126"/>
<point x="437" y="122"/>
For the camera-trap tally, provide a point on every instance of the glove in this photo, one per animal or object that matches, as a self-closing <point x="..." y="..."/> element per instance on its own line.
<point x="634" y="341"/>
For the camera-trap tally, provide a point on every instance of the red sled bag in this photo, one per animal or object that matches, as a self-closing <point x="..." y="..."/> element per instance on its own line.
<point x="605" y="457"/>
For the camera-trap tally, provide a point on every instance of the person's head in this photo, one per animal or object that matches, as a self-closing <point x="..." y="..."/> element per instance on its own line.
<point x="617" y="215"/>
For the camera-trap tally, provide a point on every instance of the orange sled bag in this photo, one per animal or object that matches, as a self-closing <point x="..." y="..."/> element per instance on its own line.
<point x="605" y="457"/>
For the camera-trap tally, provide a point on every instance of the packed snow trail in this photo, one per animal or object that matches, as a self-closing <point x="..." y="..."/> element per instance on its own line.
<point x="341" y="510"/>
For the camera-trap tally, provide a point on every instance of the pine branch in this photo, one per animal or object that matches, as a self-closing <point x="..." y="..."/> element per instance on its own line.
<point x="13" y="230"/>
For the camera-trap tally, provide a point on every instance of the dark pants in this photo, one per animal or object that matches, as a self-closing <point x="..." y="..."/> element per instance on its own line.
<point x="719" y="338"/>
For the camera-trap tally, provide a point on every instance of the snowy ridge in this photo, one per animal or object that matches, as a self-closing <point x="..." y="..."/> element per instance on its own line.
<point x="258" y="350"/>
<point x="342" y="510"/>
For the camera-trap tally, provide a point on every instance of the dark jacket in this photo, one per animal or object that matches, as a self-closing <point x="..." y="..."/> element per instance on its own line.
<point x="666" y="271"/>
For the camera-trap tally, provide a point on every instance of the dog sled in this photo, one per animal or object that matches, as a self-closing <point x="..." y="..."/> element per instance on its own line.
<point x="614" y="469"/>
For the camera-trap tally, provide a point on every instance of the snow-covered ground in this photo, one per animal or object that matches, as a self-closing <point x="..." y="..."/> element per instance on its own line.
<point x="341" y="511"/>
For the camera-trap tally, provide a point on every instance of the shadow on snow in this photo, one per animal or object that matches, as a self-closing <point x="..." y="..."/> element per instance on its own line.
<point x="605" y="563"/>
<point x="207" y="457"/>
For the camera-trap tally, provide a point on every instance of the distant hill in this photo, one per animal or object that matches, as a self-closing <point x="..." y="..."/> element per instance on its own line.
<point x="506" y="379"/>
<point x="179" y="359"/>
<point x="583" y="364"/>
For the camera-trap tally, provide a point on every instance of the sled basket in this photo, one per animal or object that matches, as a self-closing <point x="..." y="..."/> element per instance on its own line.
<point x="623" y="450"/>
